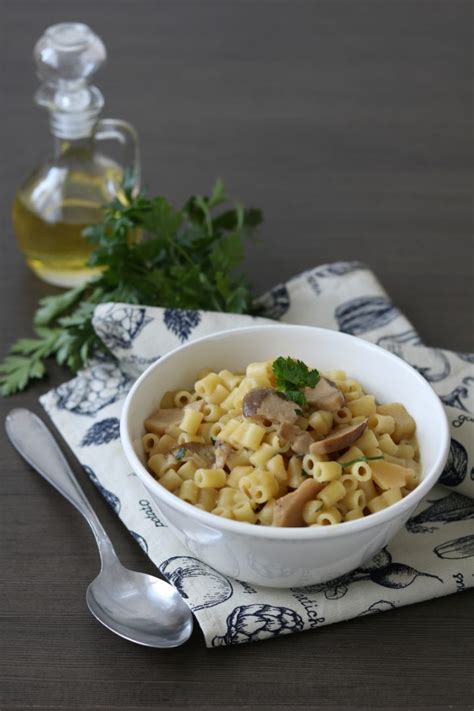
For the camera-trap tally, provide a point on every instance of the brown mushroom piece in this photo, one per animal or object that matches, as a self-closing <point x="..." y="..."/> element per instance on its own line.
<point x="160" y="420"/>
<point x="300" y="441"/>
<point x="325" y="396"/>
<point x="211" y="456"/>
<point x="288" y="510"/>
<point x="202" y="454"/>
<point x="339" y="439"/>
<point x="268" y="404"/>
<point x="222" y="450"/>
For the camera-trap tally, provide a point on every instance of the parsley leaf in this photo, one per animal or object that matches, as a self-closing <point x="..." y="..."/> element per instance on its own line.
<point x="150" y="253"/>
<point x="297" y="396"/>
<point x="26" y="360"/>
<point x="180" y="453"/>
<point x="51" y="306"/>
<point x="291" y="376"/>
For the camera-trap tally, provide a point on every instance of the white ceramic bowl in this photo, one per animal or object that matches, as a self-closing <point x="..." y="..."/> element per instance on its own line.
<point x="287" y="557"/>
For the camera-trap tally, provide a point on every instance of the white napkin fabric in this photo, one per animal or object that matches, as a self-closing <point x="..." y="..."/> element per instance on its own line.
<point x="432" y="556"/>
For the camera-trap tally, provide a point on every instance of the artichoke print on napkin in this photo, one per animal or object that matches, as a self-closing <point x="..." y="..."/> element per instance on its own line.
<point x="432" y="556"/>
<point x="119" y="326"/>
<point x="249" y="623"/>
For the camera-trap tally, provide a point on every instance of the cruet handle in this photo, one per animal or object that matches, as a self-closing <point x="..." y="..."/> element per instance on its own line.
<point x="125" y="134"/>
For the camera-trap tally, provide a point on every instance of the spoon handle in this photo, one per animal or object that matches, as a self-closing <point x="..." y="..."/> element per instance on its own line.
<point x="34" y="441"/>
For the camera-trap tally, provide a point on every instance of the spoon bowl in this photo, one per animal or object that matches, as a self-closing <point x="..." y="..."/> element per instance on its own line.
<point x="139" y="607"/>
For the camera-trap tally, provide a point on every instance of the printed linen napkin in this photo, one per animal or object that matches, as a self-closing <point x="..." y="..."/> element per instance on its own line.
<point x="432" y="556"/>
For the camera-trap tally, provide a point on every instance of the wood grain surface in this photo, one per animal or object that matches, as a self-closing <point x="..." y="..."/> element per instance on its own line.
<point x="350" y="124"/>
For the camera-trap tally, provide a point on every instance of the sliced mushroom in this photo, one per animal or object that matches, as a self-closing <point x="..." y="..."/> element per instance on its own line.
<point x="202" y="454"/>
<point x="253" y="401"/>
<point x="268" y="404"/>
<point x="300" y="440"/>
<point x="160" y="420"/>
<point x="302" y="443"/>
<point x="222" y="450"/>
<point x="207" y="455"/>
<point x="288" y="510"/>
<point x="339" y="439"/>
<point x="325" y="396"/>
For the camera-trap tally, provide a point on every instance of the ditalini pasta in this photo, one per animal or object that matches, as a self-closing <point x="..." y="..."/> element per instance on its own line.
<point x="282" y="445"/>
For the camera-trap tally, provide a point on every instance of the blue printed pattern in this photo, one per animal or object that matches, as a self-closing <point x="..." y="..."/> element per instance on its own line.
<point x="181" y="322"/>
<point x="119" y="325"/>
<point x="436" y="370"/>
<point x="275" y="303"/>
<point x="112" y="500"/>
<point x="366" y="313"/>
<point x="468" y="357"/>
<point x="102" y="432"/>
<point x="460" y="395"/>
<point x="338" y="269"/>
<point x="414" y="567"/>
<point x="92" y="390"/>
<point x="393" y="342"/>
<point x="140" y="540"/>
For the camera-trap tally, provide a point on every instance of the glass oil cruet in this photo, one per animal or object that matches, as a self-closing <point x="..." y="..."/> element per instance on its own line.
<point x="67" y="192"/>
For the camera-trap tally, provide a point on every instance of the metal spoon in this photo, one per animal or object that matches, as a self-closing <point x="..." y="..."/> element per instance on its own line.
<point x="138" y="607"/>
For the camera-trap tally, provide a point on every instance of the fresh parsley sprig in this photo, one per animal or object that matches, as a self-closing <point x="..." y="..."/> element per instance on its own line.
<point x="292" y="376"/>
<point x="152" y="254"/>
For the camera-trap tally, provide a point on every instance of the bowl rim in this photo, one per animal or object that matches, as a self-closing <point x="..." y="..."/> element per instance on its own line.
<point x="288" y="533"/>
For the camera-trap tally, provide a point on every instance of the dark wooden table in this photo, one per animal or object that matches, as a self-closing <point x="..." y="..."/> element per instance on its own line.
<point x="350" y="124"/>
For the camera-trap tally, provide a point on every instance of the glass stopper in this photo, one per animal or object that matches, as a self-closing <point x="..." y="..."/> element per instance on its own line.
<point x="67" y="55"/>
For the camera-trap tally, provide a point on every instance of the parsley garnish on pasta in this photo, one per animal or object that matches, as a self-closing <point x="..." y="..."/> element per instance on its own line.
<point x="292" y="376"/>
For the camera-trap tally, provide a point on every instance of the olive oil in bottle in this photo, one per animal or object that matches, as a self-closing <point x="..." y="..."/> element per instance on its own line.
<point x="68" y="192"/>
